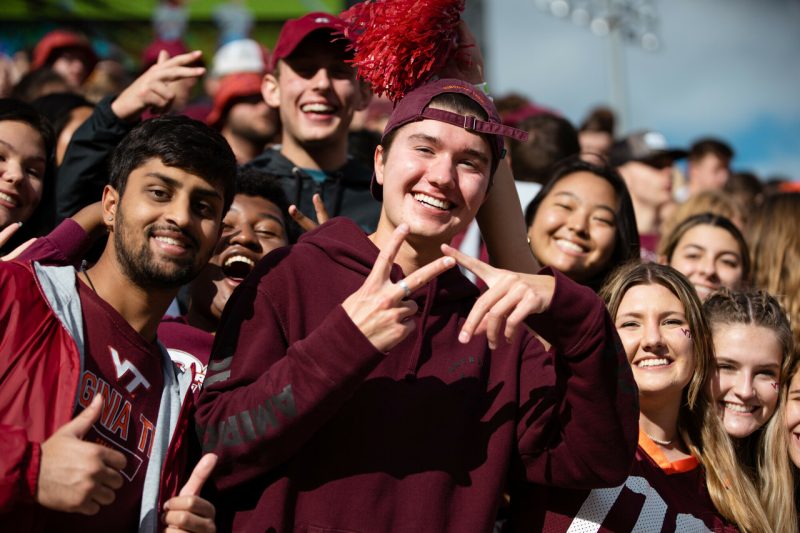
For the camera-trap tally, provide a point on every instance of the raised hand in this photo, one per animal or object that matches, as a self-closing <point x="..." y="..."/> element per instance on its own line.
<point x="77" y="476"/>
<point x="154" y="88"/>
<point x="188" y="511"/>
<point x="378" y="308"/>
<point x="306" y="223"/>
<point x="511" y="297"/>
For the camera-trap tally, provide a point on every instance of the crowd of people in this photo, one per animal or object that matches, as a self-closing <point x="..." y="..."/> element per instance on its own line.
<point x="290" y="305"/>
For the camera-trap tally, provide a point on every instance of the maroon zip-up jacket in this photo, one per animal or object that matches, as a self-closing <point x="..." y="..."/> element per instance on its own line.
<point x="318" y="431"/>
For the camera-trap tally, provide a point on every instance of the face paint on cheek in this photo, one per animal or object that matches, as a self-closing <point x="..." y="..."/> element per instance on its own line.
<point x="775" y="385"/>
<point x="687" y="333"/>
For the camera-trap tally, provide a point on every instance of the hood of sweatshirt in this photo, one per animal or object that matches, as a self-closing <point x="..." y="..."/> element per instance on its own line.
<point x="346" y="244"/>
<point x="274" y="162"/>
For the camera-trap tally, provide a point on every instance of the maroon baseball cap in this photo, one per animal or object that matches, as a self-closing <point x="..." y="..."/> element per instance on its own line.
<point x="414" y="107"/>
<point x="57" y="40"/>
<point x="295" y="30"/>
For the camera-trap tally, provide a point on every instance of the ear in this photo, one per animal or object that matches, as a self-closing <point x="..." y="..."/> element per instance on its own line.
<point x="364" y="94"/>
<point x="271" y="91"/>
<point x="110" y="203"/>
<point x="662" y="260"/>
<point x="378" y="160"/>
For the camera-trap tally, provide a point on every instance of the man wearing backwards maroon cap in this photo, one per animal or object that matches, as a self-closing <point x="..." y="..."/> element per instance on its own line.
<point x="67" y="53"/>
<point x="359" y="383"/>
<point x="316" y="93"/>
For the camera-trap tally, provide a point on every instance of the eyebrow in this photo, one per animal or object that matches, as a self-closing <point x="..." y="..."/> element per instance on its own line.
<point x="595" y="206"/>
<point x="12" y="147"/>
<point x="436" y="141"/>
<point x="177" y="184"/>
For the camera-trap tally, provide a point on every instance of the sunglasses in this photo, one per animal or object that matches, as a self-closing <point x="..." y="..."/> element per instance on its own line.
<point x="659" y="162"/>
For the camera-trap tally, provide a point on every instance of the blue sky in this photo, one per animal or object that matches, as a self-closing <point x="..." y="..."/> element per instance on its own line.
<point x="728" y="68"/>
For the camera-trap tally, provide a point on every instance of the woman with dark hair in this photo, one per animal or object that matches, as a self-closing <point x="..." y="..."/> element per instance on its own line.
<point x="26" y="170"/>
<point x="709" y="250"/>
<point x="582" y="222"/>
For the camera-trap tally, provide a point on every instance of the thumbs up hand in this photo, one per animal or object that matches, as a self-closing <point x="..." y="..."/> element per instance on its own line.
<point x="188" y="511"/>
<point x="77" y="476"/>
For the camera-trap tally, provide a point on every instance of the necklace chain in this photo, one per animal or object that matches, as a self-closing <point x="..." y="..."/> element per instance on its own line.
<point x="659" y="441"/>
<point x="85" y="273"/>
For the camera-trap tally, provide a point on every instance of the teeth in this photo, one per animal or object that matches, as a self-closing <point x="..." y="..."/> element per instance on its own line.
<point x="316" y="108"/>
<point x="7" y="198"/>
<point x="652" y="362"/>
<point x="169" y="240"/>
<point x="569" y="245"/>
<point x="739" y="408"/>
<point x="434" y="202"/>
<point x="240" y="259"/>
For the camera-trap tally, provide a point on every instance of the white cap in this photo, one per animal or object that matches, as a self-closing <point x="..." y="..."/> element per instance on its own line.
<point x="242" y="55"/>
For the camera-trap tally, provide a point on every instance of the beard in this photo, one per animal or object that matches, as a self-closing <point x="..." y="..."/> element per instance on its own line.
<point x="140" y="265"/>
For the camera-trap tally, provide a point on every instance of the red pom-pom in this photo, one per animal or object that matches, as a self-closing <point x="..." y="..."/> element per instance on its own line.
<point x="399" y="44"/>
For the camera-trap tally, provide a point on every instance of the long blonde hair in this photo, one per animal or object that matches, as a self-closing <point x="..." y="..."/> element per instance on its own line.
<point x="775" y="253"/>
<point x="732" y="491"/>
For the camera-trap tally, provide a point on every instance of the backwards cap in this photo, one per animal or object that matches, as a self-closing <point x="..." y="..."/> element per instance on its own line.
<point x="414" y="106"/>
<point x="58" y="40"/>
<point x="231" y="88"/>
<point x="643" y="146"/>
<point x="295" y="30"/>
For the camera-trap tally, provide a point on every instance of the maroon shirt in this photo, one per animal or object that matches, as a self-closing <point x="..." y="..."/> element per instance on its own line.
<point x="126" y="370"/>
<point x="658" y="496"/>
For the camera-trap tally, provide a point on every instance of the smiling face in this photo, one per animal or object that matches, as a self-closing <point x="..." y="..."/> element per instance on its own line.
<point x="746" y="381"/>
<point x="793" y="419"/>
<point x="252" y="228"/>
<point x="166" y="224"/>
<point x="710" y="257"/>
<point x="22" y="167"/>
<point x="434" y="178"/>
<point x="652" y="325"/>
<point x="574" y="229"/>
<point x="316" y="93"/>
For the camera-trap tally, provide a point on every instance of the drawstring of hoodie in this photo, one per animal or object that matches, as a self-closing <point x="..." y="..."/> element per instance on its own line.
<point x="430" y="295"/>
<point x="337" y="199"/>
<point x="298" y="185"/>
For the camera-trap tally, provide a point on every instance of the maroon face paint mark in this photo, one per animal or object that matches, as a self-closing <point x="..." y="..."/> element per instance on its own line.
<point x="687" y="333"/>
<point x="776" y="385"/>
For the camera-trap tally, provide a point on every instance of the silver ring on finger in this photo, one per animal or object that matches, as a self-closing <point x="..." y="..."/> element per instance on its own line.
<point x="406" y="289"/>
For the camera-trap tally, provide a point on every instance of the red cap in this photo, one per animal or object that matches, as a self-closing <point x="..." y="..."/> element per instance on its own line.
<point x="295" y="30"/>
<point x="60" y="39"/>
<point x="414" y="106"/>
<point x="233" y="86"/>
<point x="150" y="54"/>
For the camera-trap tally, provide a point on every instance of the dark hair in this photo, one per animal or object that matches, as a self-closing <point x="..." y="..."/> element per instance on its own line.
<point x="600" y="119"/>
<point x="42" y="219"/>
<point x="550" y="139"/>
<point x="253" y="182"/>
<point x="710" y="145"/>
<point x="179" y="142"/>
<point x="626" y="242"/>
<point x="745" y="184"/>
<point x="57" y="108"/>
<point x="671" y="240"/>
<point x="31" y="86"/>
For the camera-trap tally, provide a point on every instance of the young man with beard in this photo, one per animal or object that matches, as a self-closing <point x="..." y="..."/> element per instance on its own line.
<point x="358" y="383"/>
<point x="316" y="92"/>
<point x="93" y="412"/>
<point x="242" y="116"/>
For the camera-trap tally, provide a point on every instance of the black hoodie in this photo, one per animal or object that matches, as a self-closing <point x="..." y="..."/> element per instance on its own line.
<point x="344" y="191"/>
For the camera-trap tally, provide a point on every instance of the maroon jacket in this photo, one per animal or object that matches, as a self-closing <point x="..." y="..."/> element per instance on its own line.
<point x="318" y="431"/>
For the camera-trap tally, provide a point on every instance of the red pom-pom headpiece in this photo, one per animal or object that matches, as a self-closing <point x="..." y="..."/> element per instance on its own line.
<point x="399" y="44"/>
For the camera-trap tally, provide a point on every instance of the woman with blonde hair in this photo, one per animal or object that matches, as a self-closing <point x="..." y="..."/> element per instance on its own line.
<point x="685" y="465"/>
<point x="753" y="348"/>
<point x="775" y="253"/>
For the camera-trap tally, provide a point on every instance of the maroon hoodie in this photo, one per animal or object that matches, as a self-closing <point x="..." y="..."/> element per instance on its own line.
<point x="318" y="431"/>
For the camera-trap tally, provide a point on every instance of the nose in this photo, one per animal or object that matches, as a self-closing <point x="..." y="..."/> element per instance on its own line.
<point x="12" y="171"/>
<point x="322" y="79"/>
<point x="180" y="211"/>
<point x="708" y="267"/>
<point x="442" y="172"/>
<point x="245" y="236"/>
<point x="578" y="222"/>
<point x="743" y="387"/>
<point x="652" y="338"/>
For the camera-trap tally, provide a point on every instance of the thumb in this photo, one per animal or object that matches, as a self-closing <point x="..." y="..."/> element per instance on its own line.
<point x="81" y="424"/>
<point x="199" y="475"/>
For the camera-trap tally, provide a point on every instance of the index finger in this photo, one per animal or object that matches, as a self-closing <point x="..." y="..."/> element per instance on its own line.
<point x="476" y="266"/>
<point x="199" y="475"/>
<point x="8" y="231"/>
<point x="383" y="265"/>
<point x="423" y="275"/>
